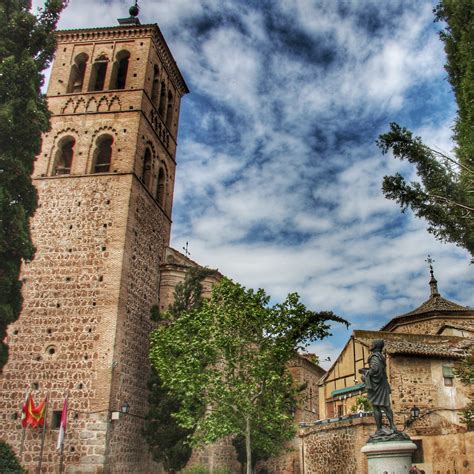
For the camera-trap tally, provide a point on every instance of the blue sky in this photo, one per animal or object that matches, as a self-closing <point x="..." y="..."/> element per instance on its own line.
<point x="279" y="178"/>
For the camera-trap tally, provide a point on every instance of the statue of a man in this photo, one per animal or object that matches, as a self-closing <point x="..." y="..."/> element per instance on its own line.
<point x="378" y="388"/>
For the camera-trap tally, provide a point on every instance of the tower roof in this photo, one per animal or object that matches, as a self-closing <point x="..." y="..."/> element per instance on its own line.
<point x="434" y="305"/>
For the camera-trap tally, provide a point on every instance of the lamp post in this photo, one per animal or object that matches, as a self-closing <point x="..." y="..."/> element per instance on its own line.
<point x="415" y="413"/>
<point x="125" y="408"/>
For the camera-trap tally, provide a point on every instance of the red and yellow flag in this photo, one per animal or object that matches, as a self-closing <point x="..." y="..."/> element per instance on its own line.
<point x="33" y="415"/>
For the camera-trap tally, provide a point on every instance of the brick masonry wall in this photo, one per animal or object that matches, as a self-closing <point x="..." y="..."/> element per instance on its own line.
<point x="147" y="236"/>
<point x="64" y="338"/>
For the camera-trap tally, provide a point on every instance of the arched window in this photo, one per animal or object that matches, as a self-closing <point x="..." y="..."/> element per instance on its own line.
<point x="103" y="154"/>
<point x="160" y="188"/>
<point x="119" y="71"/>
<point x="78" y="71"/>
<point x="169" y="113"/>
<point x="64" y="156"/>
<point x="155" y="86"/>
<point x="162" y="106"/>
<point x="99" y="70"/>
<point x="146" y="173"/>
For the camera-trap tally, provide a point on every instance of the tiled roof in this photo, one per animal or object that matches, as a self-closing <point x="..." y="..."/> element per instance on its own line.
<point x="418" y="344"/>
<point x="435" y="304"/>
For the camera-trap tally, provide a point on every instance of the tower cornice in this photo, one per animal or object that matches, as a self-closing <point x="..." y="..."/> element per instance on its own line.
<point x="152" y="30"/>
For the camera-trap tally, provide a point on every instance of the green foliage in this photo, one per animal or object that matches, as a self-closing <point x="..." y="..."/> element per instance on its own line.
<point x="26" y="47"/>
<point x="361" y="403"/>
<point x="188" y="294"/>
<point x="465" y="372"/>
<point x="458" y="41"/>
<point x="445" y="196"/>
<point x="166" y="439"/>
<point x="155" y="313"/>
<point x="231" y="356"/>
<point x="9" y="464"/>
<point x="168" y="442"/>
<point x="200" y="469"/>
<point x="441" y="198"/>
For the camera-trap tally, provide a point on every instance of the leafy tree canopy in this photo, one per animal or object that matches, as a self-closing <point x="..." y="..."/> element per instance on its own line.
<point x="465" y="372"/>
<point x="27" y="45"/>
<point x="230" y="356"/>
<point x="168" y="440"/>
<point x="8" y="461"/>
<point x="445" y="194"/>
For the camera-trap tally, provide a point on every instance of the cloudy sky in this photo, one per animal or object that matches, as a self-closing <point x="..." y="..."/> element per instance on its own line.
<point x="279" y="178"/>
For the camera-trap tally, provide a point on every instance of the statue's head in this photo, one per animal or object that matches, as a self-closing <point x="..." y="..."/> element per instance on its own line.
<point x="377" y="345"/>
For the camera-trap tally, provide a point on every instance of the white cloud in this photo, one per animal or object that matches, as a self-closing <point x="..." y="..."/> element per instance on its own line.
<point x="278" y="178"/>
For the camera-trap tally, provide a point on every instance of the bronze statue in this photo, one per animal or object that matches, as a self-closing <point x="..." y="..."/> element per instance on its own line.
<point x="378" y="392"/>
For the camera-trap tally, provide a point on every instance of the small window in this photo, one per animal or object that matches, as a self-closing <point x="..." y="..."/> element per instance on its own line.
<point x="78" y="71"/>
<point x="160" y="189"/>
<point x="119" y="71"/>
<point x="340" y="410"/>
<point x="448" y="375"/>
<point x="162" y="107"/>
<point x="417" y="457"/>
<point x="146" y="173"/>
<point x="155" y="86"/>
<point x="56" y="420"/>
<point x="64" y="156"/>
<point x="169" y="113"/>
<point x="99" y="70"/>
<point x="103" y="154"/>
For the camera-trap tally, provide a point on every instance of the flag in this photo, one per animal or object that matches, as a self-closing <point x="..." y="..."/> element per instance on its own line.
<point x="62" y="426"/>
<point x="31" y="414"/>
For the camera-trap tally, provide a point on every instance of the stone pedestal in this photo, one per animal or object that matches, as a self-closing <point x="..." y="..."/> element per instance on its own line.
<point x="389" y="457"/>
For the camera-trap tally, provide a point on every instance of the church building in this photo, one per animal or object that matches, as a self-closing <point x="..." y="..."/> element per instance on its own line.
<point x="105" y="179"/>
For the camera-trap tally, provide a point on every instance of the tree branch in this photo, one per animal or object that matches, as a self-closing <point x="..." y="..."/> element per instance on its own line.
<point x="454" y="203"/>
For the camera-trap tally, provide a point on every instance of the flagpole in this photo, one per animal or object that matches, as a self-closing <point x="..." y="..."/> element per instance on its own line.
<point x="22" y="444"/>
<point x="40" y="461"/>
<point x="61" y="458"/>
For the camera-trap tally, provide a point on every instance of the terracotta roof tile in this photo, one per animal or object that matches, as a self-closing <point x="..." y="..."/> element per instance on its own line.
<point x="418" y="344"/>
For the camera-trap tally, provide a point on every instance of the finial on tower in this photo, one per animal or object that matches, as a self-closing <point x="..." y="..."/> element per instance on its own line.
<point x="133" y="18"/>
<point x="433" y="281"/>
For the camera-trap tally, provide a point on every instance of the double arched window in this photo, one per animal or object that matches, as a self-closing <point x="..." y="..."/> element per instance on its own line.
<point x="119" y="71"/>
<point x="99" y="70"/>
<point x="64" y="156"/>
<point x="103" y="154"/>
<point x="78" y="71"/>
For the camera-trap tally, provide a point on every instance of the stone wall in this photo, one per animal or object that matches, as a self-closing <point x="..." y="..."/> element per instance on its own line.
<point x="147" y="236"/>
<point x="64" y="339"/>
<point x="432" y="326"/>
<point x="335" y="447"/>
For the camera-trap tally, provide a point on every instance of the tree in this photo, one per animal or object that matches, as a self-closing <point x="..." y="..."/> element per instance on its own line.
<point x="8" y="461"/>
<point x="445" y="196"/>
<point x="168" y="440"/>
<point x="27" y="45"/>
<point x="230" y="356"/>
<point x="465" y="372"/>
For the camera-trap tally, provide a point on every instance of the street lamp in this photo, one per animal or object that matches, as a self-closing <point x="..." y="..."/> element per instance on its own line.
<point x="125" y="408"/>
<point x="415" y="412"/>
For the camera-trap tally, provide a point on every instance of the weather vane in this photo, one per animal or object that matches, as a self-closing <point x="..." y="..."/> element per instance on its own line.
<point x="430" y="262"/>
<point x="186" y="251"/>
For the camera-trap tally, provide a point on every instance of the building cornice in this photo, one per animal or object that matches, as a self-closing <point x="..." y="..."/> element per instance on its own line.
<point x="87" y="35"/>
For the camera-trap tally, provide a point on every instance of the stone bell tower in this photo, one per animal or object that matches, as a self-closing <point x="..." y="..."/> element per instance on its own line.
<point x="105" y="179"/>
